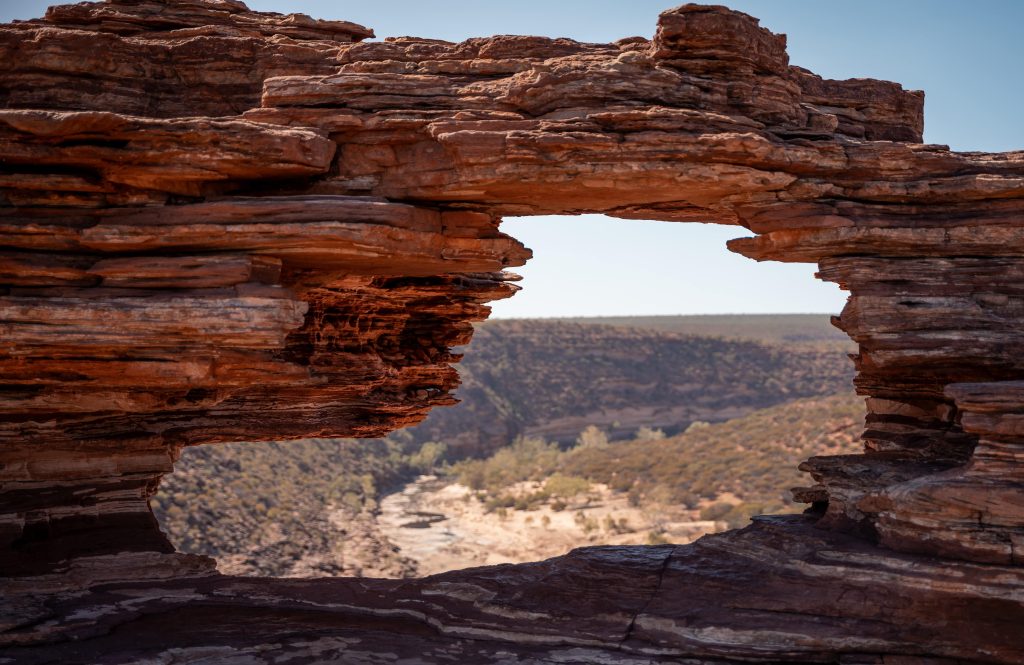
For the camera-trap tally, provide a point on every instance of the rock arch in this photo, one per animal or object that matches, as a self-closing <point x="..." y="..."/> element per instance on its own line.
<point x="218" y="224"/>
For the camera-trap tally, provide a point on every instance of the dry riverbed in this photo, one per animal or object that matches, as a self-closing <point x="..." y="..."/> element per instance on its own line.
<point x="443" y="526"/>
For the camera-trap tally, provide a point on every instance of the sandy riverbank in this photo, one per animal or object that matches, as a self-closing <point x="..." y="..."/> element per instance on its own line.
<point x="443" y="526"/>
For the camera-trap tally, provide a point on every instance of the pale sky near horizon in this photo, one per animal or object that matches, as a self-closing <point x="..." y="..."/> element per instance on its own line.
<point x="967" y="57"/>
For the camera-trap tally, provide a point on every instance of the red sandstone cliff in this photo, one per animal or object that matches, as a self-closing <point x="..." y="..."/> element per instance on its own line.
<point x="217" y="224"/>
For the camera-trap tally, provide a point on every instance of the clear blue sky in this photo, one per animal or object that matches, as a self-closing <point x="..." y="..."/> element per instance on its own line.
<point x="967" y="57"/>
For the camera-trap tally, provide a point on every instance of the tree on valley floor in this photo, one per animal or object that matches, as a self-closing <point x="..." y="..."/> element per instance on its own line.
<point x="649" y="434"/>
<point x="428" y="456"/>
<point x="592" y="436"/>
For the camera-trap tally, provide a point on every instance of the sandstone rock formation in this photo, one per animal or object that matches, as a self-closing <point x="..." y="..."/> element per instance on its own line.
<point x="777" y="592"/>
<point x="218" y="224"/>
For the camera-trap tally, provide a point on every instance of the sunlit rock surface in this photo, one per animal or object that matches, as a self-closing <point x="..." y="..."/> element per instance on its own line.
<point x="218" y="224"/>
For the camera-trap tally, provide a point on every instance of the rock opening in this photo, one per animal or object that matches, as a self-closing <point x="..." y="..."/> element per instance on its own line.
<point x="226" y="225"/>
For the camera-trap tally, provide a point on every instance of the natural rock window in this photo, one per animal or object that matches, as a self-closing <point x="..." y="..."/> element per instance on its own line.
<point x="222" y="225"/>
<point x="570" y="432"/>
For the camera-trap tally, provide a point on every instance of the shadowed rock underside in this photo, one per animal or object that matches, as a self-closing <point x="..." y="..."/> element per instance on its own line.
<point x="221" y="225"/>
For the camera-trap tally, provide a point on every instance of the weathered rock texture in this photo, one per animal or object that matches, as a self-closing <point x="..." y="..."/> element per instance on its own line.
<point x="222" y="225"/>
<point x="780" y="591"/>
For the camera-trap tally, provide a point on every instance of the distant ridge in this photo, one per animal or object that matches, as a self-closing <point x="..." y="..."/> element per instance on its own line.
<point x="552" y="378"/>
<point x="765" y="328"/>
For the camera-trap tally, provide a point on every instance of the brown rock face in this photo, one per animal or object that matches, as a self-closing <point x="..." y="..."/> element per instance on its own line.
<point x="218" y="224"/>
<point x="780" y="591"/>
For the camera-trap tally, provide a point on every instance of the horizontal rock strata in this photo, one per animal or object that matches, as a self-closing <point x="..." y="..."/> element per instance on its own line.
<point x="218" y="224"/>
<point x="779" y="591"/>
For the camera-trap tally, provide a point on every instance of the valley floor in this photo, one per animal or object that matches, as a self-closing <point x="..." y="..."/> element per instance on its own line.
<point x="442" y="526"/>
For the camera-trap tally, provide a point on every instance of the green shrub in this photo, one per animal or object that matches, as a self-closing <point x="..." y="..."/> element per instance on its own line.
<point x="716" y="511"/>
<point x="592" y="437"/>
<point x="649" y="434"/>
<point x="656" y="538"/>
<point x="426" y="459"/>
<point x="566" y="487"/>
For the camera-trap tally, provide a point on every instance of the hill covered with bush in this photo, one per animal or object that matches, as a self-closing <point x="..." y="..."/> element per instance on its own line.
<point x="309" y="507"/>
<point x="813" y="330"/>
<point x="554" y="378"/>
<point x="294" y="508"/>
<point x="727" y="471"/>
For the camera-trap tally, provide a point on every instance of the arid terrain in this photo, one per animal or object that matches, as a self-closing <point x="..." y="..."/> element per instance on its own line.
<point x="793" y="330"/>
<point x="531" y="500"/>
<point x="553" y="378"/>
<point x="540" y="480"/>
<point x="442" y="526"/>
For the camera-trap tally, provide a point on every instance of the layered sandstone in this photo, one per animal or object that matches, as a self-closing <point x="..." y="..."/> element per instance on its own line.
<point x="218" y="224"/>
<point x="780" y="591"/>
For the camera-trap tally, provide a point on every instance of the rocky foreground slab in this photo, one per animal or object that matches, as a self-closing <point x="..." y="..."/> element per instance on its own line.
<point x="778" y="591"/>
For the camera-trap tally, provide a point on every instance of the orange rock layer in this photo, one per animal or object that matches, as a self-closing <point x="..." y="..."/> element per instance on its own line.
<point x="218" y="224"/>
